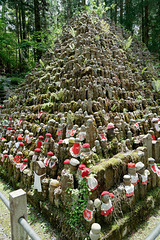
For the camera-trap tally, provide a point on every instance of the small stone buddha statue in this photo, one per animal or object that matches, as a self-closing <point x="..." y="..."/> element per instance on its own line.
<point x="143" y="178"/>
<point x="95" y="231"/>
<point x="132" y="173"/>
<point x="53" y="166"/>
<point x="106" y="206"/>
<point x="89" y="214"/>
<point x="129" y="187"/>
<point x="140" y="168"/>
<point x="110" y="131"/>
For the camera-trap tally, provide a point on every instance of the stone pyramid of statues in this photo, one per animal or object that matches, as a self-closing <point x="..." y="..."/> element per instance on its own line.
<point x="87" y="111"/>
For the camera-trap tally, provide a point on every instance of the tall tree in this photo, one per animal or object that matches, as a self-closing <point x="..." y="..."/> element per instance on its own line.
<point x="38" y="52"/>
<point x="146" y="23"/>
<point x="128" y="15"/>
<point x="121" y="11"/>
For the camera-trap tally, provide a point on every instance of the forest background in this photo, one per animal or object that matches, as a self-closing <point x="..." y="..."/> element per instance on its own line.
<point x="28" y="28"/>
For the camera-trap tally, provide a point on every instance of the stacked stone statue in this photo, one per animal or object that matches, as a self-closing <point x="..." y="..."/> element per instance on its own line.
<point x="86" y="120"/>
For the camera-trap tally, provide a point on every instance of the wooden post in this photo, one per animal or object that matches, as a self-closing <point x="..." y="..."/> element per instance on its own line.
<point x="18" y="208"/>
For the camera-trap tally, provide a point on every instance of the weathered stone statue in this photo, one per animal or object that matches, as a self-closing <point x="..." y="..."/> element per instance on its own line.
<point x="95" y="231"/>
<point x="110" y="131"/>
<point x="89" y="214"/>
<point x="106" y="206"/>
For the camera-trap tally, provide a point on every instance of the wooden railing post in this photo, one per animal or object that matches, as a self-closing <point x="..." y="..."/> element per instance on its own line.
<point x="18" y="208"/>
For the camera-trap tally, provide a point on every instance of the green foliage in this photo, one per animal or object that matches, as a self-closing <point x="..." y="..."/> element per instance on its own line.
<point x="139" y="97"/>
<point x="16" y="80"/>
<point x="101" y="9"/>
<point x="79" y="198"/>
<point x="72" y="32"/>
<point x="41" y="63"/>
<point x="8" y="47"/>
<point x="157" y="85"/>
<point x="70" y="117"/>
<point x="144" y="69"/>
<point x="57" y="95"/>
<point x="113" y="108"/>
<point x="105" y="26"/>
<point x="127" y="43"/>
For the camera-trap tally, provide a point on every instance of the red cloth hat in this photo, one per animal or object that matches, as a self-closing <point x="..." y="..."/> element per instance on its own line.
<point x="48" y="135"/>
<point x="75" y="150"/>
<point x="40" y="137"/>
<point x="110" y="126"/>
<point x="104" y="193"/>
<point x="85" y="172"/>
<point x="13" y="131"/>
<point x="20" y="138"/>
<point x="5" y="155"/>
<point x="111" y="195"/>
<point x="60" y="141"/>
<point x="67" y="161"/>
<point x="25" y="160"/>
<point x="131" y="164"/>
<point x="37" y="150"/>
<point x="21" y="144"/>
<point x="82" y="166"/>
<point x="9" y="128"/>
<point x="107" y="193"/>
<point x="86" y="145"/>
<point x="10" y="119"/>
<point x="50" y="153"/>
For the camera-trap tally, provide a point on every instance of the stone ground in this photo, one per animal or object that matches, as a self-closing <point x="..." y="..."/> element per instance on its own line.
<point x="46" y="231"/>
<point x="35" y="219"/>
<point x="144" y="229"/>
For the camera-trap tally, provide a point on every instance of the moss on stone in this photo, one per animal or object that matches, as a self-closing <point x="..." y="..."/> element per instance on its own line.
<point x="134" y="156"/>
<point x="115" y="161"/>
<point x="106" y="164"/>
<point x="95" y="157"/>
<point x="124" y="157"/>
<point x="98" y="168"/>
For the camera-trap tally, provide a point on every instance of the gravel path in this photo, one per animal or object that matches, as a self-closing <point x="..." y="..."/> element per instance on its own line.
<point x="35" y="219"/>
<point x="144" y="229"/>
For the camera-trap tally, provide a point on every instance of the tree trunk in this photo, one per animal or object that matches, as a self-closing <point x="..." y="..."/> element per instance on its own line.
<point x="17" y="30"/>
<point x="3" y="15"/>
<point x="142" y="16"/>
<point x="24" y="34"/>
<point x="37" y="28"/>
<point x="83" y="2"/>
<point x="127" y="12"/>
<point x="20" y="24"/>
<point x="159" y="27"/>
<point x="146" y="23"/>
<point x="23" y="19"/>
<point x="111" y="10"/>
<point x="115" y="12"/>
<point x="121" y="11"/>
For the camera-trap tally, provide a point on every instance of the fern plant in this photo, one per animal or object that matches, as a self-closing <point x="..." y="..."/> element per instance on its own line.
<point x="144" y="69"/>
<point x="72" y="32"/>
<point x="41" y="63"/>
<point x="127" y="43"/>
<point x="105" y="26"/>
